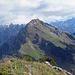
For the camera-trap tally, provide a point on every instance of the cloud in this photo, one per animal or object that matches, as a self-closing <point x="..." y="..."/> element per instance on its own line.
<point x="22" y="11"/>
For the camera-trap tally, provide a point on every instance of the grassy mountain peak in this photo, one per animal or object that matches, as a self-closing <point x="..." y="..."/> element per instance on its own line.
<point x="39" y="39"/>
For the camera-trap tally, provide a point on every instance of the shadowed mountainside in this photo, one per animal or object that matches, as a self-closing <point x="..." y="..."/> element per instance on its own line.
<point x="38" y="39"/>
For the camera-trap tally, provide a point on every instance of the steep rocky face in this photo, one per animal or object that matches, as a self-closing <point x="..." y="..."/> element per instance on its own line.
<point x="37" y="39"/>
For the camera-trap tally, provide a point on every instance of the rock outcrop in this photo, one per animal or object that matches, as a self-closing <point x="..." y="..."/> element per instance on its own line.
<point x="58" y="68"/>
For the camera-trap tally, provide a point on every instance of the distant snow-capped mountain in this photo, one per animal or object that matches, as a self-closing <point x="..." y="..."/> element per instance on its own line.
<point x="68" y="25"/>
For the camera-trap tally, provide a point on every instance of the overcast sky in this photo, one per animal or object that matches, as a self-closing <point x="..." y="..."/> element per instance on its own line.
<point x="22" y="11"/>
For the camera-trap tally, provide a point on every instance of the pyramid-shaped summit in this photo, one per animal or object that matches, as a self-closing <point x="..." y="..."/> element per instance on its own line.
<point x="43" y="39"/>
<point x="35" y="22"/>
<point x="38" y="39"/>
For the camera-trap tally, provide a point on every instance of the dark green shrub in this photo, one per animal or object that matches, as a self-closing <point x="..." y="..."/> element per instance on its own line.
<point x="49" y="59"/>
<point x="12" y="60"/>
<point x="27" y="58"/>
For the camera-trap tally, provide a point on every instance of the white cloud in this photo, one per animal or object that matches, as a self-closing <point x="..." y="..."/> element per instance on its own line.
<point x="22" y="11"/>
<point x="53" y="18"/>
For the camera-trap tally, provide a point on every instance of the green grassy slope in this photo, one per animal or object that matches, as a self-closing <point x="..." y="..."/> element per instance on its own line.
<point x="32" y="50"/>
<point x="33" y="33"/>
<point x="37" y="39"/>
<point x="21" y="67"/>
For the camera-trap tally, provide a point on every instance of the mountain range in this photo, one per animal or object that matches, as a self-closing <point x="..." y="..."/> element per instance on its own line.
<point x="39" y="39"/>
<point x="68" y="25"/>
<point x="7" y="31"/>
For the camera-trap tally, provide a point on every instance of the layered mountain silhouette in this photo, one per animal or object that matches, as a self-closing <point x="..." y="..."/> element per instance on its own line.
<point x="68" y="25"/>
<point x="38" y="39"/>
<point x="7" y="31"/>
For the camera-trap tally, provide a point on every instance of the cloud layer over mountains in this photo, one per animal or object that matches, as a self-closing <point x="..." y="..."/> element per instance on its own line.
<point x="22" y="11"/>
